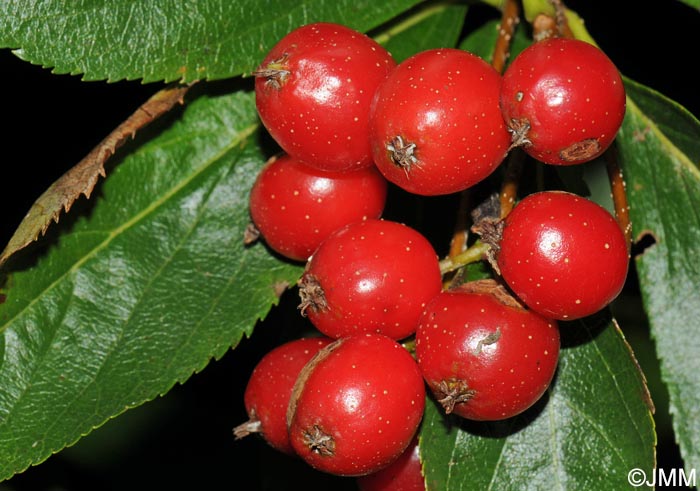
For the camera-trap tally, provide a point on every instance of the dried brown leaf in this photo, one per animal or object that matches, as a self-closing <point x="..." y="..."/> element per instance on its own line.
<point x="82" y="178"/>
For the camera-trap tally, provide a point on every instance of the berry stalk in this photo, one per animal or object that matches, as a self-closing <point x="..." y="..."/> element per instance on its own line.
<point x="618" y="189"/>
<point x="510" y="18"/>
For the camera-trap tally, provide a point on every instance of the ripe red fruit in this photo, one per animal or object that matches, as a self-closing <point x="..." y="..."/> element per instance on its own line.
<point x="564" y="100"/>
<point x="563" y="255"/>
<point x="371" y="276"/>
<point x="436" y="127"/>
<point x="404" y="474"/>
<point x="356" y="406"/>
<point x="269" y="389"/>
<point x="483" y="356"/>
<point x="295" y="206"/>
<point x="313" y="91"/>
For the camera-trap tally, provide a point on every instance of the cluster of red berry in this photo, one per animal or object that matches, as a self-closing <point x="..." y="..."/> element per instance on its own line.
<point x="350" y="120"/>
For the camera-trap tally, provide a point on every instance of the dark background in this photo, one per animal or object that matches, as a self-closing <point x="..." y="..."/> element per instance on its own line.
<point x="183" y="440"/>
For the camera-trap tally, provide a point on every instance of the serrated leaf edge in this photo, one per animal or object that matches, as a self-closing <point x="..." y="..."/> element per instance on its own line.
<point x="240" y="137"/>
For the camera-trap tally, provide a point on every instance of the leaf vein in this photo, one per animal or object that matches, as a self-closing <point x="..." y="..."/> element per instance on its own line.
<point x="136" y="218"/>
<point x="125" y="324"/>
<point x="621" y="395"/>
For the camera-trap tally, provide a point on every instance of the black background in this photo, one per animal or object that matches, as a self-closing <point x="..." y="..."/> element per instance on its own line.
<point x="183" y="440"/>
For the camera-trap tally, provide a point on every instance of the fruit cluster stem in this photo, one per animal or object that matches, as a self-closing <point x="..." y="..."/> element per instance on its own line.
<point x="460" y="234"/>
<point x="510" y="18"/>
<point x="618" y="189"/>
<point x="470" y="255"/>
<point x="509" y="188"/>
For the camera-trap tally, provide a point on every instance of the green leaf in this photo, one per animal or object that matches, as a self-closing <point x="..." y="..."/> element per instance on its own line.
<point x="435" y="26"/>
<point x="692" y="3"/>
<point x="660" y="155"/>
<point x="482" y="40"/>
<point x="144" y="290"/>
<point x="672" y="120"/>
<point x="176" y="40"/>
<point x="587" y="432"/>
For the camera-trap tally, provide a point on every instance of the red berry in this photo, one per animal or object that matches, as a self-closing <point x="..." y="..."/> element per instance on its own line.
<point x="371" y="276"/>
<point x="356" y="406"/>
<point x="483" y="356"/>
<point x="563" y="255"/>
<point x="404" y="474"/>
<point x="313" y="92"/>
<point x="436" y="127"/>
<point x="564" y="99"/>
<point x="269" y="388"/>
<point x="295" y="206"/>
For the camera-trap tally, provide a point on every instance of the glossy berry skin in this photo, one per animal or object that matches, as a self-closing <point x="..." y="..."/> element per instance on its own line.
<point x="568" y="99"/>
<point x="313" y="91"/>
<point x="484" y="359"/>
<point x="295" y="206"/>
<point x="563" y="255"/>
<point x="371" y="276"/>
<point x="436" y="127"/>
<point x="269" y="389"/>
<point x="404" y="474"/>
<point x="357" y="406"/>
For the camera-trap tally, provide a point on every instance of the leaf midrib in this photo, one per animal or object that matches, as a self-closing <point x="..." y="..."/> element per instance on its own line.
<point x="240" y="137"/>
<point x="126" y="322"/>
<point x="154" y="205"/>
